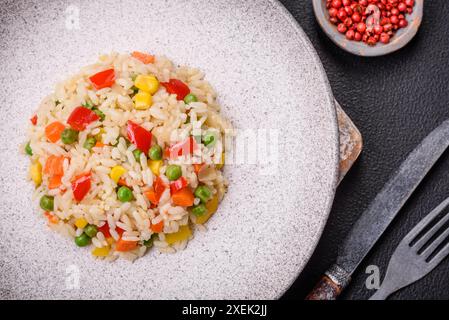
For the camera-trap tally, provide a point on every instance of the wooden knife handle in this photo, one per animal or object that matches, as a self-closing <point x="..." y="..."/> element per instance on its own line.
<point x="330" y="285"/>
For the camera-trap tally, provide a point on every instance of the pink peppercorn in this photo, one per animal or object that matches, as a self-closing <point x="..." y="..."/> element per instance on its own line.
<point x="394" y="19"/>
<point x="378" y="29"/>
<point x="348" y="22"/>
<point x="361" y="27"/>
<point x="350" y="34"/>
<point x="371" y="41"/>
<point x="352" y="16"/>
<point x="356" y="17"/>
<point x="341" y="14"/>
<point x="333" y="12"/>
<point x="384" y="38"/>
<point x="403" y="23"/>
<point x="402" y="7"/>
<point x="341" y="28"/>
<point x="336" y="4"/>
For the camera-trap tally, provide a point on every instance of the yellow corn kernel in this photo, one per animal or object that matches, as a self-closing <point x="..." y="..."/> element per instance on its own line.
<point x="116" y="173"/>
<point x="184" y="233"/>
<point x="110" y="240"/>
<point x="155" y="166"/>
<point x="222" y="161"/>
<point x="147" y="83"/>
<point x="36" y="173"/>
<point x="101" y="252"/>
<point x="80" y="223"/>
<point x="143" y="100"/>
<point x="211" y="206"/>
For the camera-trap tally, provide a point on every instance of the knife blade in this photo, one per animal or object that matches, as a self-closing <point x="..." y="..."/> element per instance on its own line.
<point x="381" y="212"/>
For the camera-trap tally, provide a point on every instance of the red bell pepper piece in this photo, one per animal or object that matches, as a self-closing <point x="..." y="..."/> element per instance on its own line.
<point x="81" y="117"/>
<point x="175" y="86"/>
<point x="178" y="184"/>
<point x="154" y="195"/>
<point x="139" y="136"/>
<point x="34" y="119"/>
<point x="81" y="186"/>
<point x="103" y="79"/>
<point x="159" y="188"/>
<point x="182" y="148"/>
<point x="105" y="230"/>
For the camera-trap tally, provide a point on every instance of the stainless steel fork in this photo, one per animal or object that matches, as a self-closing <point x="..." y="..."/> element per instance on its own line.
<point x="421" y="250"/>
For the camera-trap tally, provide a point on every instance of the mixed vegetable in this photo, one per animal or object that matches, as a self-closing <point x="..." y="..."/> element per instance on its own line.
<point x="200" y="201"/>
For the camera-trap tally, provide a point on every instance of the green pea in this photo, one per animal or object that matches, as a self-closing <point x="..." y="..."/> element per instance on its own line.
<point x="89" y="143"/>
<point x="137" y="154"/>
<point x="28" y="149"/>
<point x="199" y="210"/>
<point x="69" y="136"/>
<point x="155" y="152"/>
<point x="190" y="98"/>
<point x="173" y="172"/>
<point x="149" y="243"/>
<point x="203" y="193"/>
<point x="124" y="194"/>
<point x="47" y="203"/>
<point x="99" y="113"/>
<point x="82" y="240"/>
<point x="91" y="230"/>
<point x="209" y="139"/>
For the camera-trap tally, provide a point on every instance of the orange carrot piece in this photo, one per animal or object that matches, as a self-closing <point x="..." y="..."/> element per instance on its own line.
<point x="183" y="197"/>
<point x="123" y="245"/>
<point x="158" y="227"/>
<point x="53" y="131"/>
<point x="99" y="144"/>
<point x="54" y="166"/>
<point x="143" y="57"/>
<point x="54" y="182"/>
<point x="151" y="195"/>
<point x="51" y="217"/>
<point x="122" y="182"/>
<point x="197" y="167"/>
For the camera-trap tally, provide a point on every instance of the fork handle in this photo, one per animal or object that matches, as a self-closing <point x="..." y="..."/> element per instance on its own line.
<point x="330" y="285"/>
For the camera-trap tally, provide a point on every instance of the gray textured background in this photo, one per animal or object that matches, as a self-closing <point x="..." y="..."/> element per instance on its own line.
<point x="395" y="101"/>
<point x="267" y="225"/>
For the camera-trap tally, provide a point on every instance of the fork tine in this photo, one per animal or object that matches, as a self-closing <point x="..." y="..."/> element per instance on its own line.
<point x="425" y="221"/>
<point x="430" y="249"/>
<point x="440" y="256"/>
<point x="426" y="237"/>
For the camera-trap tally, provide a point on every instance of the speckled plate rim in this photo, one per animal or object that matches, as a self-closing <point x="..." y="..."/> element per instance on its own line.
<point x="330" y="135"/>
<point x="400" y="39"/>
<point x="301" y="35"/>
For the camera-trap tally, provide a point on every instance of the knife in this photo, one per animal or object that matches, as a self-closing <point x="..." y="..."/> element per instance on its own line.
<point x="380" y="213"/>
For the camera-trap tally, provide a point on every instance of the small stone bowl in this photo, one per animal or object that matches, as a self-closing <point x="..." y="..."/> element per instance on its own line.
<point x="399" y="39"/>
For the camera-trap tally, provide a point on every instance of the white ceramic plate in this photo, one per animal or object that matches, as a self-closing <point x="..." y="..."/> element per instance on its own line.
<point x="267" y="76"/>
